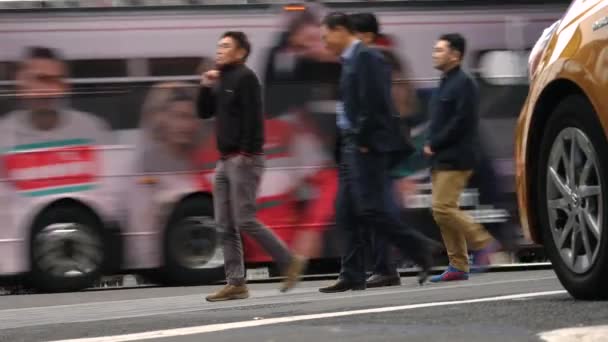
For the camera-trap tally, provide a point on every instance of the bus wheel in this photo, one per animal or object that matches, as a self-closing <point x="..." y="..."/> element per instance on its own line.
<point x="193" y="254"/>
<point x="67" y="249"/>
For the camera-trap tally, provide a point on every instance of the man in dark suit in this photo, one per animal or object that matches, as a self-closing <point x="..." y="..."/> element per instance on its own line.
<point x="370" y="143"/>
<point x="384" y="271"/>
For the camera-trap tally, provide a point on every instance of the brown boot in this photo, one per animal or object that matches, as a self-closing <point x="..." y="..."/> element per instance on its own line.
<point x="294" y="271"/>
<point x="229" y="292"/>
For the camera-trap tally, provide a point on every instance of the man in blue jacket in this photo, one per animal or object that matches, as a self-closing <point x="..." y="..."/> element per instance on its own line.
<point x="453" y="149"/>
<point x="370" y="144"/>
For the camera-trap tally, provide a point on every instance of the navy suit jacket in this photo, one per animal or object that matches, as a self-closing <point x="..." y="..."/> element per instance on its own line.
<point x="365" y="90"/>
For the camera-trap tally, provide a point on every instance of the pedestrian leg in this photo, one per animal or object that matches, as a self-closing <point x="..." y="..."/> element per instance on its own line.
<point x="375" y="208"/>
<point x="233" y="249"/>
<point x="245" y="176"/>
<point x="458" y="229"/>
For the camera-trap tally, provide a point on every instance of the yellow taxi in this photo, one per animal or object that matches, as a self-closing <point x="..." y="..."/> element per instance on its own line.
<point x="561" y="148"/>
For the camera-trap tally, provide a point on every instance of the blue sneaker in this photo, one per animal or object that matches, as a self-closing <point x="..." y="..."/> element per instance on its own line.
<point x="451" y="274"/>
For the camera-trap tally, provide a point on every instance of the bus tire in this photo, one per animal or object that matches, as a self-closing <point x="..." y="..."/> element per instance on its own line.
<point x="67" y="249"/>
<point x="191" y="242"/>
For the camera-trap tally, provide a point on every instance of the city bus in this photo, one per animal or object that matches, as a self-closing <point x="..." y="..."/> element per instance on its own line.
<point x="103" y="201"/>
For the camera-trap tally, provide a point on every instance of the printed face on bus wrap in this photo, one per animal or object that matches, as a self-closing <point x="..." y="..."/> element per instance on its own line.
<point x="229" y="52"/>
<point x="305" y="38"/>
<point x="41" y="84"/>
<point x="180" y="122"/>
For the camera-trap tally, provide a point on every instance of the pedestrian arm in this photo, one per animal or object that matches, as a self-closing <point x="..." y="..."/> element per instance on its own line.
<point x="370" y="87"/>
<point x="206" y="102"/>
<point x="249" y="97"/>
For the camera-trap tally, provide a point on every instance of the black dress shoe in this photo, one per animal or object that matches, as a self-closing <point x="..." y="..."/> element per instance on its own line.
<point x="426" y="262"/>
<point x="380" y="280"/>
<point x="342" y="286"/>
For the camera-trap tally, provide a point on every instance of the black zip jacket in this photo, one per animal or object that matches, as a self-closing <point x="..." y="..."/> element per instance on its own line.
<point x="453" y="131"/>
<point x="236" y="103"/>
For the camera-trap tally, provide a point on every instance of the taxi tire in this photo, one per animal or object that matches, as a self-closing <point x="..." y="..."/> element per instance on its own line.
<point x="45" y="282"/>
<point x="575" y="111"/>
<point x="174" y="273"/>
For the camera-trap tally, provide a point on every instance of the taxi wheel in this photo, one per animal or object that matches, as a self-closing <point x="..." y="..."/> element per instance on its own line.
<point x="572" y="202"/>
<point x="193" y="245"/>
<point x="66" y="249"/>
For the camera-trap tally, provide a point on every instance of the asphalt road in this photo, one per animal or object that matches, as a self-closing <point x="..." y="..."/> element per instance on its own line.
<point x="506" y="306"/>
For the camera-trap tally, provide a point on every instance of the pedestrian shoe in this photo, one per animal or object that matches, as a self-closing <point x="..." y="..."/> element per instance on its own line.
<point x="380" y="280"/>
<point x="229" y="292"/>
<point x="342" y="286"/>
<point x="294" y="271"/>
<point x="427" y="261"/>
<point x="506" y="235"/>
<point x="451" y="274"/>
<point x="481" y="258"/>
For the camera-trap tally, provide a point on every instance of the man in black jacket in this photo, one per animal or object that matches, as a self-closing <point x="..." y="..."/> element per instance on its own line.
<point x="232" y="94"/>
<point x="452" y="147"/>
<point x="370" y="144"/>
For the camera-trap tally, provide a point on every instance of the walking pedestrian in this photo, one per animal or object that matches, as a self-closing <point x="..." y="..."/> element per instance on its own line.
<point x="452" y="147"/>
<point x="370" y="144"/>
<point x="367" y="29"/>
<point x="231" y="92"/>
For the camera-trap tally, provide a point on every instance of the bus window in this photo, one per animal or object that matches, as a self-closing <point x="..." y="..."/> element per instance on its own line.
<point x="503" y="82"/>
<point x="93" y="68"/>
<point x="503" y="67"/>
<point x="7" y="71"/>
<point x="174" y="66"/>
<point x="7" y="98"/>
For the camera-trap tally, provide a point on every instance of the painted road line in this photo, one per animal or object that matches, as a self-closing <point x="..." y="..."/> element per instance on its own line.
<point x="203" y="329"/>
<point x="154" y="306"/>
<point x="582" y="334"/>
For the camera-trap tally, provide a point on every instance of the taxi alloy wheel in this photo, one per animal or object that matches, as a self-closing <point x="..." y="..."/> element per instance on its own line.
<point x="571" y="198"/>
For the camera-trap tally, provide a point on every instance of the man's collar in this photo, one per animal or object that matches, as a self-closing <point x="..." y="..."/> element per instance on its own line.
<point x="348" y="52"/>
<point x="228" y="67"/>
<point x="452" y="71"/>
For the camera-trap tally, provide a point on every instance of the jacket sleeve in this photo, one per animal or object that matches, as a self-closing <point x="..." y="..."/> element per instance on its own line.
<point x="250" y="102"/>
<point x="453" y="130"/>
<point x="370" y="85"/>
<point x="206" y="103"/>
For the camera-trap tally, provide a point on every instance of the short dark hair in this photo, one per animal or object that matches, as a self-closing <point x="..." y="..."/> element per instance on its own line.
<point x="41" y="52"/>
<point x="456" y="41"/>
<point x="241" y="41"/>
<point x="335" y="19"/>
<point x="365" y="23"/>
<point x="302" y="19"/>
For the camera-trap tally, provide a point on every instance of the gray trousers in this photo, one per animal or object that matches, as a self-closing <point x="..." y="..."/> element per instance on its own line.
<point x="236" y="185"/>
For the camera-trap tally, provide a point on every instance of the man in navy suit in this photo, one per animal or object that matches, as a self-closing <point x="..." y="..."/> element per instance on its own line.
<point x="370" y="143"/>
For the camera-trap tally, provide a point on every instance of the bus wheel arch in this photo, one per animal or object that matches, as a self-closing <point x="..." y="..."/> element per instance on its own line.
<point x="191" y="241"/>
<point x="67" y="247"/>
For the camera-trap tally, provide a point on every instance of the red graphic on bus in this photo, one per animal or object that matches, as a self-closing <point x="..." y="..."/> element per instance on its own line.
<point x="52" y="168"/>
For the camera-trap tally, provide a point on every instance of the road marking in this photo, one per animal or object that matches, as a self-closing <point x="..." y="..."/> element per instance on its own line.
<point x="279" y="320"/>
<point x="263" y="294"/>
<point x="154" y="306"/>
<point x="259" y="294"/>
<point x="583" y="334"/>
